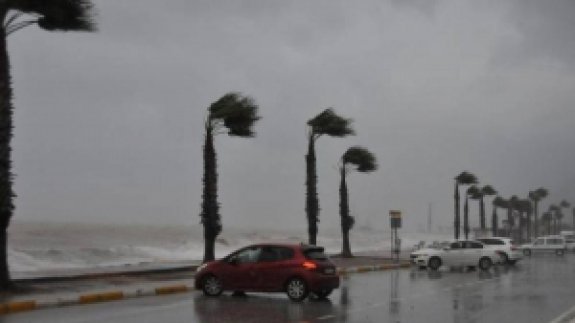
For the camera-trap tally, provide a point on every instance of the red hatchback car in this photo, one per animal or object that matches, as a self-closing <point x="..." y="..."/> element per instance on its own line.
<point x="296" y="270"/>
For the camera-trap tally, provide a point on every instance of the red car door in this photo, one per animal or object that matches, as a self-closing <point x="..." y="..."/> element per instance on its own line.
<point x="239" y="272"/>
<point x="274" y="267"/>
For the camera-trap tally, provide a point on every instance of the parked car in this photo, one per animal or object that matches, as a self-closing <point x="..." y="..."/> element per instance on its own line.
<point x="297" y="270"/>
<point x="465" y="253"/>
<point x="504" y="247"/>
<point x="427" y="249"/>
<point x="556" y="244"/>
<point x="569" y="239"/>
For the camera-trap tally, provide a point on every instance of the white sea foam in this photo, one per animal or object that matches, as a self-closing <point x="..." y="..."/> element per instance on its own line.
<point x="37" y="247"/>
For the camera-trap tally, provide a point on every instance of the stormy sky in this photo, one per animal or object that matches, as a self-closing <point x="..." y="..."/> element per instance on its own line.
<point x="109" y="125"/>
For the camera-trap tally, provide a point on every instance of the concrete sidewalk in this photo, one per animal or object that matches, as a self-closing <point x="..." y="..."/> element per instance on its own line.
<point x="72" y="287"/>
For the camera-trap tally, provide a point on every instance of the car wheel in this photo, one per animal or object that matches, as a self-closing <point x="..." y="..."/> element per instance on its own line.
<point x="485" y="263"/>
<point x="212" y="286"/>
<point x="322" y="294"/>
<point x="527" y="252"/>
<point x="559" y="252"/>
<point x="512" y="262"/>
<point x="434" y="263"/>
<point x="296" y="289"/>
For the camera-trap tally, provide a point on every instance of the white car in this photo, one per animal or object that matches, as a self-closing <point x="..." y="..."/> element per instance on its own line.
<point x="569" y="239"/>
<point x="556" y="244"/>
<point x="504" y="247"/>
<point x="463" y="253"/>
<point x="430" y="248"/>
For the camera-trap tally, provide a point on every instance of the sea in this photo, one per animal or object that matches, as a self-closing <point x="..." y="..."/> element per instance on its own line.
<point x="36" y="248"/>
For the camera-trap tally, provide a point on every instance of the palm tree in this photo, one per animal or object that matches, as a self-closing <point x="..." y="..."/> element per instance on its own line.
<point x="464" y="178"/>
<point x="475" y="194"/>
<point x="498" y="202"/>
<point x="546" y="218"/>
<point x="237" y="114"/>
<point x="486" y="190"/>
<point x="555" y="217"/>
<point x="362" y="160"/>
<point x="562" y="205"/>
<point x="511" y="206"/>
<point x="325" y="123"/>
<point x="525" y="209"/>
<point x="53" y="15"/>
<point x="536" y="196"/>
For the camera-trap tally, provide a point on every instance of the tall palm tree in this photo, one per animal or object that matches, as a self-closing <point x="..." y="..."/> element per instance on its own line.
<point x="53" y="15"/>
<point x="555" y="217"/>
<point x="464" y="178"/>
<point x="511" y="206"/>
<point x="237" y="114"/>
<point x="325" y="123"/>
<point x="525" y="209"/>
<point x="547" y="218"/>
<point x="563" y="205"/>
<point x="486" y="190"/>
<point x="473" y="193"/>
<point x="498" y="202"/>
<point x="363" y="161"/>
<point x="536" y="196"/>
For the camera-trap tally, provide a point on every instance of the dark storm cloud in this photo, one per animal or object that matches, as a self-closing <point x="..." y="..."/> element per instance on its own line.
<point x="109" y="126"/>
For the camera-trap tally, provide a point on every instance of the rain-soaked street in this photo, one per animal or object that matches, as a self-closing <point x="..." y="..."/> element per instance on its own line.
<point x="536" y="290"/>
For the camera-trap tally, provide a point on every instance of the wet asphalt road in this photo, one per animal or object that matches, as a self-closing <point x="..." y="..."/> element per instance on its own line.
<point x="536" y="290"/>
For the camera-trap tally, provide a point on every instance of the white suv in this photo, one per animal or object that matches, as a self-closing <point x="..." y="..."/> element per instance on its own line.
<point x="555" y="244"/>
<point x="459" y="253"/>
<point x="504" y="247"/>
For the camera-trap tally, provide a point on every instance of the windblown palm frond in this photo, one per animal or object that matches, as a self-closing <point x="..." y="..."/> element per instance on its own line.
<point x="331" y="124"/>
<point x="235" y="112"/>
<point x="466" y="178"/>
<point x="488" y="190"/>
<point x="55" y="15"/>
<point x="361" y="158"/>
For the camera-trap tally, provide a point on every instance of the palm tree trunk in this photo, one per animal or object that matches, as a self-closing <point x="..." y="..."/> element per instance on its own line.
<point x="466" y="217"/>
<point x="482" y="213"/>
<point x="494" y="222"/>
<point x="6" y="176"/>
<point x="535" y="219"/>
<point x="344" y="214"/>
<point x="510" y="221"/>
<point x="312" y="201"/>
<point x="528" y="215"/>
<point x="456" y="220"/>
<point x="210" y="207"/>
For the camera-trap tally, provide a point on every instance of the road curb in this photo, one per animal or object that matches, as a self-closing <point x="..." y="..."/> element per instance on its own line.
<point x="116" y="295"/>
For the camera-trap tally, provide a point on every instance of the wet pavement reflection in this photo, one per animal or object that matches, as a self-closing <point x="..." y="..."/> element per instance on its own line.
<point x="536" y="290"/>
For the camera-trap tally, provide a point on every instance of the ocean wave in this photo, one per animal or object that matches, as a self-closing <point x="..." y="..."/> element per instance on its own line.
<point x="35" y="249"/>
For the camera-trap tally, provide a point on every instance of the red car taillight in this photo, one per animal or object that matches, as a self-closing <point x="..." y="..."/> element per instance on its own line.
<point x="309" y="265"/>
<point x="514" y="248"/>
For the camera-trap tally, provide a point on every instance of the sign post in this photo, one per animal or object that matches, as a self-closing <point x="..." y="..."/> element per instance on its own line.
<point x="395" y="221"/>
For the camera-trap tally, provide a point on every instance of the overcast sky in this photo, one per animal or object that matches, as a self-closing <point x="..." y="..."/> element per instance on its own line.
<point x="109" y="125"/>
